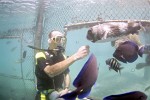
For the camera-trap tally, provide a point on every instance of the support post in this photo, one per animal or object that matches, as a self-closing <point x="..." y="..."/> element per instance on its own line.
<point x="39" y="25"/>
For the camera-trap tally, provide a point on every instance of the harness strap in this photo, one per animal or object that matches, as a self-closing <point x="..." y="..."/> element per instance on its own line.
<point x="43" y="96"/>
<point x="38" y="55"/>
<point x="44" y="93"/>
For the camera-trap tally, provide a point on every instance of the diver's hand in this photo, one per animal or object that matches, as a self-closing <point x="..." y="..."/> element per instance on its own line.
<point x="82" y="52"/>
<point x="63" y="92"/>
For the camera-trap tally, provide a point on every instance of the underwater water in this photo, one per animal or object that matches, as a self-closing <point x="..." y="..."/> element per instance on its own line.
<point x="28" y="22"/>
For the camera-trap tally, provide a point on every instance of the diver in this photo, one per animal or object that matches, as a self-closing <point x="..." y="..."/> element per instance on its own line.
<point x="52" y="67"/>
<point x="129" y="47"/>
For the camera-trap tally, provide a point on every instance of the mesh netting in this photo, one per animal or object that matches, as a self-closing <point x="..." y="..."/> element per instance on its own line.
<point x="20" y="23"/>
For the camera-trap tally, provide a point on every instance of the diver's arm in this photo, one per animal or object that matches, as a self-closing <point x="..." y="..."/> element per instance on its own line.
<point x="66" y="84"/>
<point x="67" y="81"/>
<point x="58" y="68"/>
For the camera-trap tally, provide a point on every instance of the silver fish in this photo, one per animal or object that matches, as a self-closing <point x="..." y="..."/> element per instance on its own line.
<point x="114" y="64"/>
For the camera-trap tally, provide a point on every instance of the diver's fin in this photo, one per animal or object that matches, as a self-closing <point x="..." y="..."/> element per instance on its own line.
<point x="70" y="96"/>
<point x="77" y="79"/>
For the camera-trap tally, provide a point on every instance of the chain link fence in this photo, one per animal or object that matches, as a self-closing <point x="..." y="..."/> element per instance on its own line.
<point x="19" y="21"/>
<point x="17" y="79"/>
<point x="65" y="13"/>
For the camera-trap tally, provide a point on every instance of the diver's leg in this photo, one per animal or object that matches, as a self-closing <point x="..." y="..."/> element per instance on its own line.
<point x="54" y="95"/>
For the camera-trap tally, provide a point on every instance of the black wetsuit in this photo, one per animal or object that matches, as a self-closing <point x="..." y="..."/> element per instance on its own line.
<point x="44" y="82"/>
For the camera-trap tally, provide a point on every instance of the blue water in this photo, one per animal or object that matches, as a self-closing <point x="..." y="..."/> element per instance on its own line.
<point x="18" y="25"/>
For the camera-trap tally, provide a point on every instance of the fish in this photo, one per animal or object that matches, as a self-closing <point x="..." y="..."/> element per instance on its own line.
<point x="147" y="88"/>
<point x="145" y="24"/>
<point x="85" y="80"/>
<point x="128" y="51"/>
<point x="134" y="95"/>
<point x="8" y="42"/>
<point x="141" y="65"/>
<point x="114" y="64"/>
<point x="13" y="49"/>
<point x="22" y="59"/>
<point x="24" y="54"/>
<point x="111" y="31"/>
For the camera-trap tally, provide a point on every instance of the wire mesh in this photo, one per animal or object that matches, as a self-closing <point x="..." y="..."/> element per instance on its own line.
<point x="58" y="14"/>
<point x="62" y="13"/>
<point x="18" y="20"/>
<point x="17" y="31"/>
